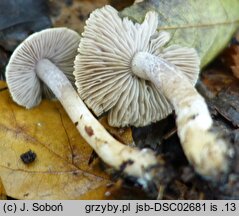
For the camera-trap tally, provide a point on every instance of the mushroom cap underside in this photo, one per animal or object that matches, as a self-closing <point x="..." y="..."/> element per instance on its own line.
<point x="59" y="45"/>
<point x="103" y="71"/>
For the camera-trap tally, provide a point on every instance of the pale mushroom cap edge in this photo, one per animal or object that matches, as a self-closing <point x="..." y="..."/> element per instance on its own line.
<point x="103" y="71"/>
<point x="59" y="45"/>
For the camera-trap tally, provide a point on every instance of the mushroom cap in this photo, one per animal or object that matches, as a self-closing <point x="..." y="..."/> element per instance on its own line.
<point x="103" y="71"/>
<point x="59" y="45"/>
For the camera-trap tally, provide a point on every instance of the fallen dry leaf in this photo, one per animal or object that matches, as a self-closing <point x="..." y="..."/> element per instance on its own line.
<point x="230" y="58"/>
<point x="124" y="135"/>
<point x="60" y="169"/>
<point x="2" y="191"/>
<point x="225" y="87"/>
<point x="73" y="14"/>
<point x="217" y="80"/>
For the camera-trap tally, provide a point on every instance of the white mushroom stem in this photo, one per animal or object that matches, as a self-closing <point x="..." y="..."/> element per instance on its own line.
<point x="204" y="150"/>
<point x="112" y="152"/>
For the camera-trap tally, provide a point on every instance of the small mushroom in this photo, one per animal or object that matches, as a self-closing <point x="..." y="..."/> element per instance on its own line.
<point x="37" y="65"/>
<point x="42" y="64"/>
<point x="126" y="69"/>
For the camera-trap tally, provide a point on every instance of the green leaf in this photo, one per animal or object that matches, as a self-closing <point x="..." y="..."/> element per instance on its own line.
<point x="205" y="25"/>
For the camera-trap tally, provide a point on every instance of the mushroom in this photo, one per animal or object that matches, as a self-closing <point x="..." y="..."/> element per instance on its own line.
<point x="37" y="65"/>
<point x="126" y="69"/>
<point x="42" y="64"/>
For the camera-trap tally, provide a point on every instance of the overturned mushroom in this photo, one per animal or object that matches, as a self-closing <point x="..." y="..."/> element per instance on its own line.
<point x="45" y="60"/>
<point x="117" y="60"/>
<point x="35" y="65"/>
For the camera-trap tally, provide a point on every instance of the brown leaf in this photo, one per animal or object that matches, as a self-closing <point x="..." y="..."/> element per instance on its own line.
<point x="217" y="80"/>
<point x="225" y="88"/>
<point x="60" y="169"/>
<point x="230" y="58"/>
<point x="73" y="15"/>
<point x="124" y="135"/>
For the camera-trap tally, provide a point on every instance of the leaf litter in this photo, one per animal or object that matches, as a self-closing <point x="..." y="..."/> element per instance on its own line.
<point x="60" y="170"/>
